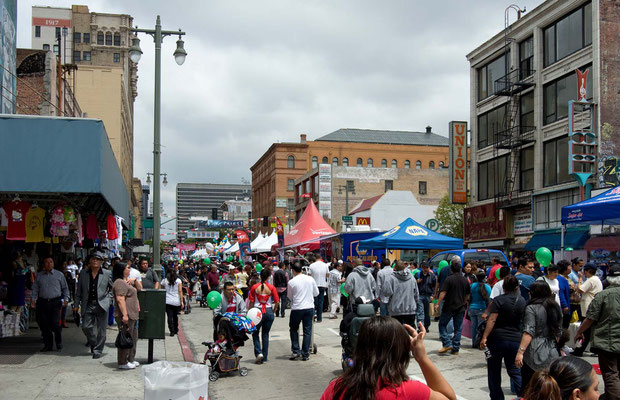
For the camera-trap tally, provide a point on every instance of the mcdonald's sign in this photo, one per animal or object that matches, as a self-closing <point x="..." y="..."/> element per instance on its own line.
<point x="362" y="221"/>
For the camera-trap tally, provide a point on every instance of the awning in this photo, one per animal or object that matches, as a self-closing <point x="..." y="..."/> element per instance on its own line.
<point x="552" y="240"/>
<point x="64" y="158"/>
<point x="609" y="243"/>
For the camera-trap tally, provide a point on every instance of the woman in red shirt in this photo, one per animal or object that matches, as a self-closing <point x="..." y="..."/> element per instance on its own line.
<point x="380" y="361"/>
<point x="263" y="296"/>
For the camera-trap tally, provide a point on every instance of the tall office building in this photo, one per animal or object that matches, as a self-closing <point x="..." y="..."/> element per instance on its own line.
<point x="200" y="199"/>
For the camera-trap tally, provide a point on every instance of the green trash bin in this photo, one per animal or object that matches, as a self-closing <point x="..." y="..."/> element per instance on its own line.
<point x="152" y="323"/>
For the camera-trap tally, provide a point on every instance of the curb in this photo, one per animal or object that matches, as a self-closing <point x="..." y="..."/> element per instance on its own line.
<point x="188" y="355"/>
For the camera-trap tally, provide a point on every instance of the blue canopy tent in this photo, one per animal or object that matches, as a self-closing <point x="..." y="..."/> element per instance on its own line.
<point x="411" y="235"/>
<point x="599" y="210"/>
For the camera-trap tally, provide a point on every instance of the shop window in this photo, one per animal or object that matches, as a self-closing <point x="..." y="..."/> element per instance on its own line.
<point x="76" y="56"/>
<point x="487" y="76"/>
<point x="86" y="56"/>
<point x="526" y="169"/>
<point x="526" y="57"/>
<point x="108" y="39"/>
<point x="422" y="187"/>
<point x="567" y="35"/>
<point x="394" y="164"/>
<point x="315" y="162"/>
<point x="384" y="163"/>
<point x="489" y="125"/>
<point x="556" y="95"/>
<point x="291" y="185"/>
<point x="117" y="39"/>
<point x="100" y="38"/>
<point x="335" y="161"/>
<point x="555" y="170"/>
<point x="37" y="31"/>
<point x="369" y="163"/>
<point x="389" y="185"/>
<point x="325" y="160"/>
<point x="117" y="57"/>
<point x="290" y="162"/>
<point x="77" y="37"/>
<point x="492" y="177"/>
<point x="359" y="162"/>
<point x="345" y="162"/>
<point x="86" y="38"/>
<point x="431" y="165"/>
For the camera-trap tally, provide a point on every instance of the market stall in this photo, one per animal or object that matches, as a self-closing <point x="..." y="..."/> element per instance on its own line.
<point x="411" y="235"/>
<point x="308" y="231"/>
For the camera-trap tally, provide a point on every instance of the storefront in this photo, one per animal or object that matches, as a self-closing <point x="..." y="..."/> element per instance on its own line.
<point x="486" y="227"/>
<point x="61" y="194"/>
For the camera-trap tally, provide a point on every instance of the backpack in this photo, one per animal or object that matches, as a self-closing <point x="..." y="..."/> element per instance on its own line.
<point x="279" y="278"/>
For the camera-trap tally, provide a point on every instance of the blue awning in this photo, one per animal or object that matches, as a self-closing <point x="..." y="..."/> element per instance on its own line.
<point x="601" y="209"/>
<point x="71" y="156"/>
<point x="411" y="235"/>
<point x="552" y="240"/>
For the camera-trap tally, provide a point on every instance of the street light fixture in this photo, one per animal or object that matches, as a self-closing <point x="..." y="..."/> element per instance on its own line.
<point x="135" y="54"/>
<point x="149" y="174"/>
<point x="348" y="188"/>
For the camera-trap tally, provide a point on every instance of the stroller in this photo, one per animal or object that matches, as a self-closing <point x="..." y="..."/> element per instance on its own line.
<point x="222" y="354"/>
<point x="349" y="329"/>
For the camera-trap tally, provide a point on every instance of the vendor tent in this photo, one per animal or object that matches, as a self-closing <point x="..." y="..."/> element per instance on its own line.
<point x="256" y="242"/>
<point x="411" y="235"/>
<point x="232" y="249"/>
<point x="266" y="244"/>
<point x="310" y="228"/>
<point x="603" y="209"/>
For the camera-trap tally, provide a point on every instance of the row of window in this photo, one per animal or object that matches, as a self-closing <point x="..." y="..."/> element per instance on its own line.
<point x="370" y="163"/>
<point x="564" y="37"/>
<point x="85" y="56"/>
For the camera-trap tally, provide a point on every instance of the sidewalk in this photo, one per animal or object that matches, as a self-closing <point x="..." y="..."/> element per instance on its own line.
<point x="25" y="373"/>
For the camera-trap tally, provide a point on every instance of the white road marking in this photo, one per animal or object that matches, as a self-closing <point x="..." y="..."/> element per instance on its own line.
<point x="335" y="332"/>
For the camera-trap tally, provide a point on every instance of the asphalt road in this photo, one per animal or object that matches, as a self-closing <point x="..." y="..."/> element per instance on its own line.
<point x="281" y="378"/>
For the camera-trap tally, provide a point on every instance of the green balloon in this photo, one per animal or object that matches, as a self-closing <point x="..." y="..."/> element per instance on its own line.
<point x="442" y="265"/>
<point x="415" y="271"/>
<point x="497" y="273"/>
<point x="214" y="299"/>
<point x="259" y="268"/>
<point x="207" y="261"/>
<point x="543" y="255"/>
<point x="229" y="259"/>
<point x="345" y="294"/>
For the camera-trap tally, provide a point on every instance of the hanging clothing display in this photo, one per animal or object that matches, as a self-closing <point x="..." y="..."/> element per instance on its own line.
<point x="80" y="230"/>
<point x="92" y="228"/>
<point x="119" y="231"/>
<point x="59" y="226"/>
<point x="16" y="214"/>
<point x="4" y="221"/>
<point x="35" y="222"/>
<point x="111" y="225"/>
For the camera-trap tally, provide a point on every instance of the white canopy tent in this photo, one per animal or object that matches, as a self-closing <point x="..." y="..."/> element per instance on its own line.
<point x="266" y="244"/>
<point x="256" y="242"/>
<point x="232" y="249"/>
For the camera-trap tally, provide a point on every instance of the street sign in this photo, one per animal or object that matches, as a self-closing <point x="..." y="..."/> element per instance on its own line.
<point x="347" y="218"/>
<point x="432" y="224"/>
<point x="347" y="222"/>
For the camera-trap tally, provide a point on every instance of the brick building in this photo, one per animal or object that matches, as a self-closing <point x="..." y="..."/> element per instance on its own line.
<point x="364" y="151"/>
<point x="521" y="82"/>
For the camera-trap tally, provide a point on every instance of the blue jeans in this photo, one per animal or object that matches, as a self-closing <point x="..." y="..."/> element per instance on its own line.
<point x="425" y="301"/>
<point x="419" y="313"/>
<point x="111" y="316"/>
<point x="263" y="329"/>
<point x="450" y="324"/>
<point x="318" y="304"/>
<point x="448" y="340"/>
<point x="283" y="300"/>
<point x="304" y="317"/>
<point x="476" y="320"/>
<point x="383" y="308"/>
<point x="507" y="351"/>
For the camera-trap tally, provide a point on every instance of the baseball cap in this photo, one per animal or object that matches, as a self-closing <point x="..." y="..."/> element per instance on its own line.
<point x="589" y="266"/>
<point x="614" y="270"/>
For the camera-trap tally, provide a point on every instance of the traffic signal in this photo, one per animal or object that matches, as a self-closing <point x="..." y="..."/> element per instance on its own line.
<point x="214" y="213"/>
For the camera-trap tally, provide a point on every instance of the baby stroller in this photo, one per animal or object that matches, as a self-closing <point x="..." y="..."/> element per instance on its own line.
<point x="349" y="329"/>
<point x="222" y="354"/>
<point x="187" y="299"/>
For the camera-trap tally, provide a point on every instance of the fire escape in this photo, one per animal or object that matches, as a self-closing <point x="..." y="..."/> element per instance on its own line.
<point x="511" y="135"/>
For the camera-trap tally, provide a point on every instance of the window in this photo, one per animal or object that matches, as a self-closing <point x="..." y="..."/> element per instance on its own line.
<point x="345" y="162"/>
<point x="37" y="31"/>
<point x="394" y="164"/>
<point x="290" y="204"/>
<point x="291" y="185"/>
<point x="441" y="164"/>
<point x="487" y="76"/>
<point x="315" y="162"/>
<point x="360" y="162"/>
<point x="526" y="112"/>
<point x="57" y="33"/>
<point x="407" y="164"/>
<point x="384" y="163"/>
<point x="324" y="160"/>
<point x="335" y="161"/>
<point x="46" y="47"/>
<point x="291" y="162"/>
<point x="431" y="165"/>
<point x="108" y="39"/>
<point x="557" y="94"/>
<point x="117" y="57"/>
<point x="56" y="49"/>
<point x="555" y="169"/>
<point x="86" y="38"/>
<point x="389" y="185"/>
<point x="526" y="169"/>
<point x="76" y="56"/>
<point x="422" y="187"/>
<point x="569" y="34"/>
<point x="86" y="56"/>
<point x="100" y="38"/>
<point x="489" y="125"/>
<point x="369" y="163"/>
<point x="547" y="208"/>
<point x="77" y="37"/>
<point x="418" y="164"/>
<point x="526" y="58"/>
<point x="117" y="39"/>
<point x="492" y="177"/>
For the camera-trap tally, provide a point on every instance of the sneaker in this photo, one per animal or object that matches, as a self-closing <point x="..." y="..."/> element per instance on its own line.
<point x="454" y="352"/>
<point x="294" y="356"/>
<point x="135" y="364"/>
<point x="304" y="358"/>
<point x="444" y="350"/>
<point x="127" y="366"/>
<point x="259" y="358"/>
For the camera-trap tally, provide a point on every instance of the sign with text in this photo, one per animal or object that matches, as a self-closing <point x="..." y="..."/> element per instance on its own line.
<point x="484" y="222"/>
<point x="203" y="235"/>
<point x="522" y="222"/>
<point x="186" y="246"/>
<point x="362" y="221"/>
<point x="62" y="23"/>
<point x="458" y="162"/>
<point x="281" y="202"/>
<point x="325" y="190"/>
<point x="347" y="218"/>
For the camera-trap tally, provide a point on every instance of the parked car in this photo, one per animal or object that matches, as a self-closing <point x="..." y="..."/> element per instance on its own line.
<point x="469" y="255"/>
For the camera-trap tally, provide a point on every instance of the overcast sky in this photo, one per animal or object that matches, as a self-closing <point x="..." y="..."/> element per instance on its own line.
<point x="261" y="71"/>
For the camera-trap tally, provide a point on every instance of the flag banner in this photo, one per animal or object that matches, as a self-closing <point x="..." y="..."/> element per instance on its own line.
<point x="280" y="231"/>
<point x="306" y="195"/>
<point x="244" y="244"/>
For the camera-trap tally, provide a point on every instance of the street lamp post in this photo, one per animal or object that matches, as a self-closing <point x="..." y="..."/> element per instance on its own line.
<point x="349" y="187"/>
<point x="179" y="55"/>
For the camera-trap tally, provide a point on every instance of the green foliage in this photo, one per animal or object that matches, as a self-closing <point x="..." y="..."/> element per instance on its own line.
<point x="450" y="217"/>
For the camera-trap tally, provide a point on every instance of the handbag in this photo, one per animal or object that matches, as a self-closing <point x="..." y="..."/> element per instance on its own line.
<point x="123" y="339"/>
<point x="479" y="333"/>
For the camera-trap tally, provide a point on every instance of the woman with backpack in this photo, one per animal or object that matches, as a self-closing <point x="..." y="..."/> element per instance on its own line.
<point x="480" y="295"/>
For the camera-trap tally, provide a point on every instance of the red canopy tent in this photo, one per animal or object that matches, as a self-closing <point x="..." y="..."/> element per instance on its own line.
<point x="308" y="230"/>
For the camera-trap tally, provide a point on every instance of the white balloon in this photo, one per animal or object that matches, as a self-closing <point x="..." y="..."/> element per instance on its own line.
<point x="209" y="246"/>
<point x="255" y="315"/>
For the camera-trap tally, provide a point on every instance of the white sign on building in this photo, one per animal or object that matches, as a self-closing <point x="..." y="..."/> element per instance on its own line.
<point x="325" y="190"/>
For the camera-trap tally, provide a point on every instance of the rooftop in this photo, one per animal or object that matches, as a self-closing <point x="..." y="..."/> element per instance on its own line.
<point x="386" y="137"/>
<point x="366" y="204"/>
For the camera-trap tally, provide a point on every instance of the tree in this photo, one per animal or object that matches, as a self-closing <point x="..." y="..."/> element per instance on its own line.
<point x="450" y="217"/>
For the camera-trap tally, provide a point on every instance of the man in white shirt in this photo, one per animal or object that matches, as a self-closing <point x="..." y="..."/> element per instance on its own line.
<point x="319" y="272"/>
<point x="301" y="290"/>
<point x="588" y="289"/>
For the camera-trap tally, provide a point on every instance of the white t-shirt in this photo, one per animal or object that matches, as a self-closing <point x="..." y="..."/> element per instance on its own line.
<point x="134" y="273"/>
<point x="302" y="290"/>
<point x="72" y="268"/>
<point x="590" y="288"/>
<point x="172" y="292"/>
<point x="555" y="287"/>
<point x="498" y="289"/>
<point x="319" y="270"/>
